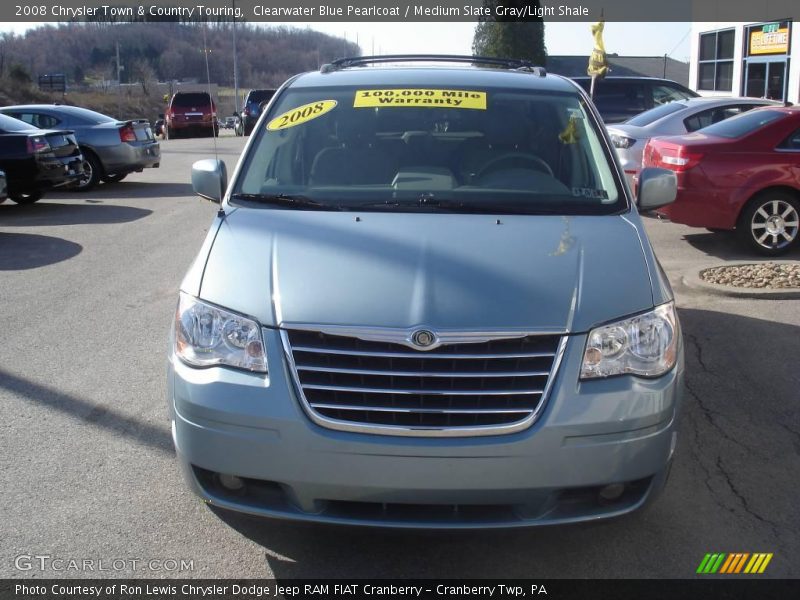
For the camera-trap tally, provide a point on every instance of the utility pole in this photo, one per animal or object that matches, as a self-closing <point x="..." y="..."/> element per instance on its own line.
<point x="119" y="85"/>
<point x="235" y="65"/>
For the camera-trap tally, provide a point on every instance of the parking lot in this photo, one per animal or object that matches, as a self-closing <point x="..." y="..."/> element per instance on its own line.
<point x="88" y="286"/>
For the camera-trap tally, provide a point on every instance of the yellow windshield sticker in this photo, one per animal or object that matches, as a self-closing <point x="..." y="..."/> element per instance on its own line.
<point x="301" y="114"/>
<point x="421" y="97"/>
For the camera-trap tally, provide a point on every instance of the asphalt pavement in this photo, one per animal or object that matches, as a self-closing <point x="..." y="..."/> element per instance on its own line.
<point x="88" y="286"/>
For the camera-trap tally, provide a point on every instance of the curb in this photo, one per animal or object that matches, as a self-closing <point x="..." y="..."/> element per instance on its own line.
<point x="692" y="280"/>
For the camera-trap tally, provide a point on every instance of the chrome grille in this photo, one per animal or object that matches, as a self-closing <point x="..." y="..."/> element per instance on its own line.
<point x="488" y="387"/>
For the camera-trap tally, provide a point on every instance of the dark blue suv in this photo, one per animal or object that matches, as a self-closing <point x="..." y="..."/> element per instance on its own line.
<point x="251" y="109"/>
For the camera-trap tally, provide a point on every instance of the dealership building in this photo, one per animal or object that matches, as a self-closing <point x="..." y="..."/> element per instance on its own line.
<point x="746" y="59"/>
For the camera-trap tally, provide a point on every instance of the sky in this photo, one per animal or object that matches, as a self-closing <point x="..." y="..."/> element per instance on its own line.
<point x="629" y="39"/>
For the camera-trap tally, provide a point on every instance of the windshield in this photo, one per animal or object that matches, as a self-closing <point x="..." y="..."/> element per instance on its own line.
<point x="654" y="114"/>
<point x="743" y="124"/>
<point x="468" y="150"/>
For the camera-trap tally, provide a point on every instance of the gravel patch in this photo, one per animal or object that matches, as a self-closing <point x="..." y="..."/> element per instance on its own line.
<point x="767" y="275"/>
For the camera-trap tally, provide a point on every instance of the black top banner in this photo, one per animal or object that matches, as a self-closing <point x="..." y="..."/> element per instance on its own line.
<point x="305" y="11"/>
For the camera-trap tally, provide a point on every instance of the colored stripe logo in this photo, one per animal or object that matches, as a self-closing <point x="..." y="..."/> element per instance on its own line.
<point x="734" y="563"/>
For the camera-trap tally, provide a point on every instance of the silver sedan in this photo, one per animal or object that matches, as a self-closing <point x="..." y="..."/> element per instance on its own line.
<point x="111" y="148"/>
<point x="675" y="118"/>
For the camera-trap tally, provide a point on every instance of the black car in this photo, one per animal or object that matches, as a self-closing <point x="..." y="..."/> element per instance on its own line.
<point x="35" y="159"/>
<point x="251" y="110"/>
<point x="620" y="98"/>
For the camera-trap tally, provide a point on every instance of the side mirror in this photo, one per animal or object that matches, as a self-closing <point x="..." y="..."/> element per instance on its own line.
<point x="657" y="188"/>
<point x="210" y="179"/>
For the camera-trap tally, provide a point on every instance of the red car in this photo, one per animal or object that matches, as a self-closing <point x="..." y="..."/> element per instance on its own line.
<point x="742" y="173"/>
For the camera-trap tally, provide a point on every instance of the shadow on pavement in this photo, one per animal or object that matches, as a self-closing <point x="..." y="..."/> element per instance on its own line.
<point x="739" y="436"/>
<point x="102" y="417"/>
<point x="21" y="251"/>
<point x="726" y="245"/>
<point x="128" y="189"/>
<point x="51" y="213"/>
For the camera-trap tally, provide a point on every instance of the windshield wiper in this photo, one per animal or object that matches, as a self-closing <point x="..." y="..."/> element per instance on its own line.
<point x="428" y="201"/>
<point x="425" y="200"/>
<point x="286" y="200"/>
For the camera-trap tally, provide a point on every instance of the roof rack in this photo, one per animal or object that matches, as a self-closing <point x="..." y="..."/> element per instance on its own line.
<point x="360" y="61"/>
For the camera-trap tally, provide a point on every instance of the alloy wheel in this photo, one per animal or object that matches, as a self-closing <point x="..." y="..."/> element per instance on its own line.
<point x="774" y="224"/>
<point x="88" y="172"/>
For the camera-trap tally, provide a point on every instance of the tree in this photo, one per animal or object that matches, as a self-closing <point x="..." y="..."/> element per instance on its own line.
<point x="508" y="37"/>
<point x="144" y="74"/>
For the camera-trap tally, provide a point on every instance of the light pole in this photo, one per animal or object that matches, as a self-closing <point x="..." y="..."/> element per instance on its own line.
<point x="235" y="65"/>
<point x="119" y="85"/>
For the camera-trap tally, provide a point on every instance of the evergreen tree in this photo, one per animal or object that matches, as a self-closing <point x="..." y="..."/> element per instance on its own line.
<point x="508" y="37"/>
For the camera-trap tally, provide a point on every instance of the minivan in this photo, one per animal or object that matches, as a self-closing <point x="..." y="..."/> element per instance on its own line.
<point x="427" y="301"/>
<point x="621" y="98"/>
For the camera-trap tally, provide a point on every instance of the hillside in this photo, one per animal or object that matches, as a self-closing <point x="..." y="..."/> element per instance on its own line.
<point x="151" y="52"/>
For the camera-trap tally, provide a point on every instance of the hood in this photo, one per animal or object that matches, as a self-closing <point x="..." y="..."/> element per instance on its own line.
<point x="444" y="271"/>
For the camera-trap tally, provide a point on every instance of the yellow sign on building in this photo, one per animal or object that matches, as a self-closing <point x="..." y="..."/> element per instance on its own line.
<point x="769" y="42"/>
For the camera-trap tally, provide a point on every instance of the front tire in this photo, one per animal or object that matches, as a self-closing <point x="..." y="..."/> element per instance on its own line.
<point x="770" y="223"/>
<point x="26" y="197"/>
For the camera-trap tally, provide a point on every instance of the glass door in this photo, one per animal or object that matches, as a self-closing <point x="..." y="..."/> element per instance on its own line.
<point x="765" y="79"/>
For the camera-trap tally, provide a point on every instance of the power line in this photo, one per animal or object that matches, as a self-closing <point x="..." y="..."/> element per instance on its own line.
<point x="680" y="42"/>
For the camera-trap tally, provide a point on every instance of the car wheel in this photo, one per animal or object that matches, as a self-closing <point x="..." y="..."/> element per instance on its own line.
<point x="113" y="177"/>
<point x="769" y="223"/>
<point x="26" y="197"/>
<point x="92" y="172"/>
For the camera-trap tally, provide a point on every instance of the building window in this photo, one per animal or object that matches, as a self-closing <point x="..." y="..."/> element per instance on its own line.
<point x="715" y="66"/>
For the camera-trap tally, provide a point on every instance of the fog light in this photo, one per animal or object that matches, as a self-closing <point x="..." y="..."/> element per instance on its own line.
<point x="231" y="482"/>
<point x="612" y="492"/>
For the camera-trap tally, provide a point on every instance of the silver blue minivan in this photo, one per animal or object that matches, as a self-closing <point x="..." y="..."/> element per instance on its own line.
<point x="427" y="301"/>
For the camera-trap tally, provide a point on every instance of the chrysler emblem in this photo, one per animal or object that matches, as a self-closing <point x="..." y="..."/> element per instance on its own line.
<point x="422" y="338"/>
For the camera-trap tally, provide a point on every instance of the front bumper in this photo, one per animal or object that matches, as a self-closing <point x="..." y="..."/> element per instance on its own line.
<point x="590" y="435"/>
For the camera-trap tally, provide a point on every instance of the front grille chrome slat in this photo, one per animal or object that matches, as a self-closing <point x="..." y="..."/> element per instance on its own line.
<point x="464" y="388"/>
<point x="369" y="390"/>
<point x="460" y="411"/>
<point x="400" y="354"/>
<point x="456" y="374"/>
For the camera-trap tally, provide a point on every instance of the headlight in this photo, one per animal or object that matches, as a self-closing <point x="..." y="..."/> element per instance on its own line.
<point x="644" y="345"/>
<point x="207" y="335"/>
<point x="622" y="141"/>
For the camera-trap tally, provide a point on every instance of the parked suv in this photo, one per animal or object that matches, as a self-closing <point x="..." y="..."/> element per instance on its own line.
<point x="251" y="109"/>
<point x="620" y="98"/>
<point x="427" y="300"/>
<point x="191" y="113"/>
